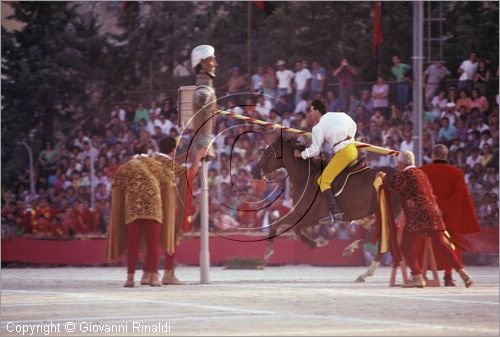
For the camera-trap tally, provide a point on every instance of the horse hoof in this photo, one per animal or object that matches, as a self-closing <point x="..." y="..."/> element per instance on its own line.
<point x="268" y="254"/>
<point x="322" y="243"/>
<point x="348" y="251"/>
<point x="360" y="280"/>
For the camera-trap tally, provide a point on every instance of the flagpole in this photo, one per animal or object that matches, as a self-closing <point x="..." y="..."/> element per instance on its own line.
<point x="418" y="33"/>
<point x="249" y="38"/>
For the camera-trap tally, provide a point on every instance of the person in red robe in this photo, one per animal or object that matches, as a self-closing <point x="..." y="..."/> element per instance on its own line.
<point x="83" y="219"/>
<point x="455" y="203"/>
<point x="41" y="218"/>
<point x="422" y="215"/>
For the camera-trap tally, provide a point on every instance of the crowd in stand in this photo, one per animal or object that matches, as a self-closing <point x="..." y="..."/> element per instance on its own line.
<point x="73" y="180"/>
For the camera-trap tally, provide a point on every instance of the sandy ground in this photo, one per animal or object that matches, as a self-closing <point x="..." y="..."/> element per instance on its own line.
<point x="288" y="300"/>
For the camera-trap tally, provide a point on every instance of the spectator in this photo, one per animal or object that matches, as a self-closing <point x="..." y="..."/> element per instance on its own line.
<point x="366" y="101"/>
<point x="269" y="84"/>
<point x="119" y="112"/>
<point x="237" y="82"/>
<point x="301" y="81"/>
<point x="464" y="100"/>
<point x="258" y="80"/>
<point x="303" y="104"/>
<point x="281" y="107"/>
<point x="486" y="138"/>
<point x="401" y="71"/>
<point x="318" y="78"/>
<point x="345" y="73"/>
<point x="486" y="156"/>
<point x="154" y="108"/>
<point x="378" y="118"/>
<point x="82" y="219"/>
<point x="438" y="104"/>
<point x="80" y="138"/>
<point x="452" y="94"/>
<point x="95" y="127"/>
<point x="482" y="78"/>
<point x="116" y="125"/>
<point x="263" y="106"/>
<point x="231" y="106"/>
<point x="473" y="158"/>
<point x="380" y="95"/>
<point x="48" y="157"/>
<point x="407" y="143"/>
<point x="479" y="101"/>
<point x="158" y="134"/>
<point x="333" y="104"/>
<point x="141" y="113"/>
<point x="450" y="113"/>
<point x="284" y="78"/>
<point x="434" y="76"/>
<point x="352" y="105"/>
<point x="447" y="132"/>
<point x="467" y="72"/>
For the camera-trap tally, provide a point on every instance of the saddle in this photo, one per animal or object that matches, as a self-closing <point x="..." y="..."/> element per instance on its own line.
<point x="340" y="181"/>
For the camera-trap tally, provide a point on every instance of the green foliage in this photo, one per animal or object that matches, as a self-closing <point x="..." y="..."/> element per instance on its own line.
<point x="471" y="27"/>
<point x="52" y="65"/>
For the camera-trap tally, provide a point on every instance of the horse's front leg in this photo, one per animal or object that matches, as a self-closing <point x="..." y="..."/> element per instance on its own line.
<point x="273" y="233"/>
<point x="371" y="269"/>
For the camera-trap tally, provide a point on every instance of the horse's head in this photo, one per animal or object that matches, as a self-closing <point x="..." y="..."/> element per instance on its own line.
<point x="270" y="161"/>
<point x="278" y="159"/>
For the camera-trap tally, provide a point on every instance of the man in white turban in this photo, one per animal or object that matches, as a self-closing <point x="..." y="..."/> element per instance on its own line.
<point x="204" y="64"/>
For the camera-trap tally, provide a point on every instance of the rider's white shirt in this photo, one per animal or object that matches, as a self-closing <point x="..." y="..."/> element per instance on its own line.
<point x="334" y="128"/>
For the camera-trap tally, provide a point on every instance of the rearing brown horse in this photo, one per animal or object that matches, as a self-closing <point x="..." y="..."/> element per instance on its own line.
<point x="357" y="200"/>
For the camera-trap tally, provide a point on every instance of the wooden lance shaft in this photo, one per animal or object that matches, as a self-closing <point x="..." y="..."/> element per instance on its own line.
<point x="359" y="145"/>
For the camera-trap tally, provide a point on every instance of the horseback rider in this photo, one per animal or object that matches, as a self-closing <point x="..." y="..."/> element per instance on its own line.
<point x="338" y="130"/>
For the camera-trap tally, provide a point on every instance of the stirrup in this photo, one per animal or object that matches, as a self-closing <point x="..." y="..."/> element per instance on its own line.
<point x="330" y="220"/>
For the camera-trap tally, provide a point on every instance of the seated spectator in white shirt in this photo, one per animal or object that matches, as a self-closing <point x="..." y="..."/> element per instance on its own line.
<point x="231" y="106"/>
<point x="263" y="106"/>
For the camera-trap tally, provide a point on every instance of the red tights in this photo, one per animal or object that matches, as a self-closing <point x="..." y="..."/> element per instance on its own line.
<point x="438" y="243"/>
<point x="152" y="232"/>
<point x="169" y="261"/>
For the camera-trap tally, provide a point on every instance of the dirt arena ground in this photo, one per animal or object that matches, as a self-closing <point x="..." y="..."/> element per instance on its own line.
<point x="288" y="300"/>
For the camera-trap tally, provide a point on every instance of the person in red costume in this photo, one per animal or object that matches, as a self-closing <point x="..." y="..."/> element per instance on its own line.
<point x="422" y="215"/>
<point x="455" y="203"/>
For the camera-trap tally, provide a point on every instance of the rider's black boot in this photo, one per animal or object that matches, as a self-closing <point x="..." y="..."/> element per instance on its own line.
<point x="335" y="214"/>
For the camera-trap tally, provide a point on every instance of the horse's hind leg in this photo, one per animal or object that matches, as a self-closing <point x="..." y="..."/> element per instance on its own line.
<point x="371" y="269"/>
<point x="269" y="251"/>
<point x="299" y="231"/>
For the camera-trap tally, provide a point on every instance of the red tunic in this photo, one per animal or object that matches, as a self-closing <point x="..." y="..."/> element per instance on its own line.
<point x="418" y="202"/>
<point x="456" y="206"/>
<point x="453" y="198"/>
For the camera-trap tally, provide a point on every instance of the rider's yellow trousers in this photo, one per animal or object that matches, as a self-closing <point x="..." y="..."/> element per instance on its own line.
<point x="339" y="162"/>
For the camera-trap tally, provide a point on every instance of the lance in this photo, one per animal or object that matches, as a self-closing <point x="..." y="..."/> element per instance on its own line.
<point x="359" y="145"/>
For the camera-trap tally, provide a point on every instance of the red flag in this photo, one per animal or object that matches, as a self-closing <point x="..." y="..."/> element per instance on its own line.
<point x="377" y="29"/>
<point x="260" y="5"/>
<point x="266" y="6"/>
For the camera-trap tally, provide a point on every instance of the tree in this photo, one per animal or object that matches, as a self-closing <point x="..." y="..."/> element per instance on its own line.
<point x="51" y="69"/>
<point x="155" y="37"/>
